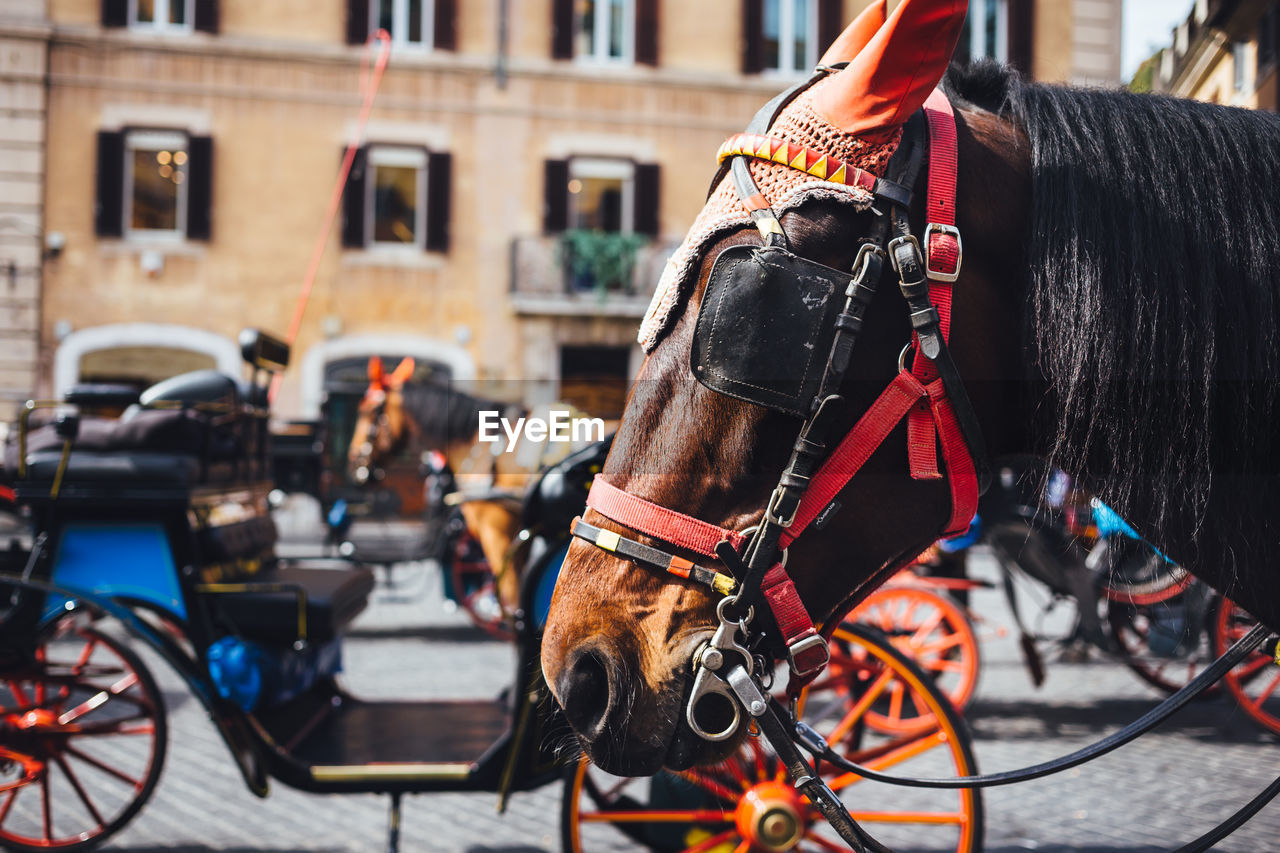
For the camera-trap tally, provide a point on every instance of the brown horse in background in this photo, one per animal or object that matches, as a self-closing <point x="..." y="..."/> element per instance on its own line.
<point x="395" y="414"/>
<point x="1117" y="311"/>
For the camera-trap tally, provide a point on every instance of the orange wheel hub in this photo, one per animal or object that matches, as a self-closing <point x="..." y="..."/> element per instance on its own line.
<point x="770" y="817"/>
<point x="39" y="718"/>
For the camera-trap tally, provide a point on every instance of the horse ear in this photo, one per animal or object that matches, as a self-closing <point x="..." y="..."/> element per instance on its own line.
<point x="893" y="75"/>
<point x="375" y="371"/>
<point x="855" y="36"/>
<point x="402" y="373"/>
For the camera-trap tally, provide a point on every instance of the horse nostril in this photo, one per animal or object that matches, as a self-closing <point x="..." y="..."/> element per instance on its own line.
<point x="585" y="692"/>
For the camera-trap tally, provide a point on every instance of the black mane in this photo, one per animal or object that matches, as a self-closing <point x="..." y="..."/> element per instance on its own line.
<point x="445" y="414"/>
<point x="1153" y="259"/>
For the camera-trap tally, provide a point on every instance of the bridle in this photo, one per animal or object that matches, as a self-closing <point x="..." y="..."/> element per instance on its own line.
<point x="928" y="395"/>
<point x="361" y="464"/>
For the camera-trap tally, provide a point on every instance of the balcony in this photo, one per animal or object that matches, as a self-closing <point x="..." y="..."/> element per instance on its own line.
<point x="590" y="274"/>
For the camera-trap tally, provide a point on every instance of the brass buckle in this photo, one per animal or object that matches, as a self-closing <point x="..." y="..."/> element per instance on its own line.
<point x="950" y="231"/>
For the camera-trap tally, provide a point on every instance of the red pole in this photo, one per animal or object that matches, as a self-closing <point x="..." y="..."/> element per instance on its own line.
<point x="369" y="83"/>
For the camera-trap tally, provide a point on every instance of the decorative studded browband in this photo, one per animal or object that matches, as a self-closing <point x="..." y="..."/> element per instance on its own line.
<point x="822" y="166"/>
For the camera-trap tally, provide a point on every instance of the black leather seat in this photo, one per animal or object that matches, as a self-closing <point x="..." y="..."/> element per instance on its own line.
<point x="335" y="597"/>
<point x="176" y="447"/>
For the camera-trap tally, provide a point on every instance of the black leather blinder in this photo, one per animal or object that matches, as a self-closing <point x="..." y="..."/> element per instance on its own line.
<point x="766" y="326"/>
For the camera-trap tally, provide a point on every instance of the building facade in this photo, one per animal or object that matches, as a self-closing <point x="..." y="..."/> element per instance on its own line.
<point x="24" y="53"/>
<point x="525" y="170"/>
<point x="1225" y="53"/>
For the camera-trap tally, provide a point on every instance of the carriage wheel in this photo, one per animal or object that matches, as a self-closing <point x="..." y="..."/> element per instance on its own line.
<point x="746" y="804"/>
<point x="1140" y="575"/>
<point x="84" y="733"/>
<point x="476" y="588"/>
<point x="1255" y="682"/>
<point x="1145" y="638"/>
<point x="933" y="631"/>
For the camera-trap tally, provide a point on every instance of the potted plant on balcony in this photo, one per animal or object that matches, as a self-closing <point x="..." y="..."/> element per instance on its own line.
<point x="602" y="261"/>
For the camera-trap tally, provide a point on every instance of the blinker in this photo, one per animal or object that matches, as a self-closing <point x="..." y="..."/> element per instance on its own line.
<point x="766" y="326"/>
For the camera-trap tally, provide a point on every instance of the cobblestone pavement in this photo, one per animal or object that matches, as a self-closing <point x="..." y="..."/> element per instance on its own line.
<point x="1153" y="795"/>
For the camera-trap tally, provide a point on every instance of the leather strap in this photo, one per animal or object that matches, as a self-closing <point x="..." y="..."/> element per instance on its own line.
<point x="657" y="521"/>
<point x="942" y="244"/>
<point x="614" y="543"/>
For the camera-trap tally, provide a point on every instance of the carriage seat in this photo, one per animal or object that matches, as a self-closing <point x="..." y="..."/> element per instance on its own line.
<point x="335" y="597"/>
<point x="164" y="446"/>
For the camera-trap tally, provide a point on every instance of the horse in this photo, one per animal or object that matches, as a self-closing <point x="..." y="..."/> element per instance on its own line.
<point x="395" y="413"/>
<point x="1115" y="312"/>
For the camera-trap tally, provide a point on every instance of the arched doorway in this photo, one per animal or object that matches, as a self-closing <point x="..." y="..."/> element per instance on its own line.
<point x="140" y="354"/>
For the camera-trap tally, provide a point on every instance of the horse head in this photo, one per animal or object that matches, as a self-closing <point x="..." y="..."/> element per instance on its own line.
<point x="382" y="429"/>
<point x="621" y="637"/>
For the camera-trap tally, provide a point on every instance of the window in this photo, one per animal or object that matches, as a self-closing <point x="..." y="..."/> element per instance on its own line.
<point x="155" y="180"/>
<point x="164" y="15"/>
<point x="601" y="194"/>
<point x="397" y="196"/>
<point x="404" y="20"/>
<point x="154" y="184"/>
<point x="595" y="379"/>
<point x="410" y="23"/>
<point x="1239" y="62"/>
<point x="985" y="32"/>
<point x="790" y="35"/>
<point x="604" y="30"/>
<point x="168" y="16"/>
<point x="1268" y="28"/>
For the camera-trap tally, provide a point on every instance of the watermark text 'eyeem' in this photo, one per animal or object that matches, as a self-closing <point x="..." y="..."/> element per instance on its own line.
<point x="559" y="426"/>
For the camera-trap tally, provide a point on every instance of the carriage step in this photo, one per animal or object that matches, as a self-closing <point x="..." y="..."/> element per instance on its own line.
<point x="396" y="742"/>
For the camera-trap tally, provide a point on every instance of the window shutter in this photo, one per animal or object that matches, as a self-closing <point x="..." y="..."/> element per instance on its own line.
<point x="357" y="21"/>
<point x="830" y="23"/>
<point x="115" y="13"/>
<point x="200" y="188"/>
<point x="446" y="25"/>
<point x="1021" y="25"/>
<point x="647" y="32"/>
<point x="108" y="211"/>
<point x="353" y="203"/>
<point x="555" y="206"/>
<point x="207" y="16"/>
<point x="562" y="29"/>
<point x="439" y="189"/>
<point x="752" y="36"/>
<point x="648" y="196"/>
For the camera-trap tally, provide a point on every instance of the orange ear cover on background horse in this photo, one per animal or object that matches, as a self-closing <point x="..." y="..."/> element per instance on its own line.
<point x="1113" y="309"/>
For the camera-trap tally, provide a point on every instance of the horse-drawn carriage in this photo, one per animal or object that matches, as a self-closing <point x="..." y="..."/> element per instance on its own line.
<point x="154" y="529"/>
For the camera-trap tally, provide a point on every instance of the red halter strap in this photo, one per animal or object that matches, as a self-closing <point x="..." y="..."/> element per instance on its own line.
<point x="917" y="395"/>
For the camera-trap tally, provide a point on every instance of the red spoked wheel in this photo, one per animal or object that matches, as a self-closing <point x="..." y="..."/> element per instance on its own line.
<point x="84" y="733"/>
<point x="933" y="631"/>
<point x="746" y="804"/>
<point x="1255" y="681"/>
<point x="476" y="588"/>
<point x="1168" y="642"/>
